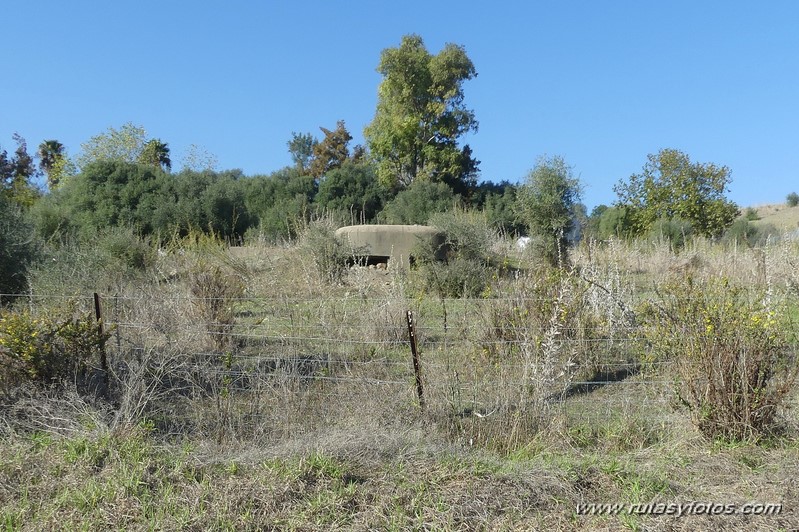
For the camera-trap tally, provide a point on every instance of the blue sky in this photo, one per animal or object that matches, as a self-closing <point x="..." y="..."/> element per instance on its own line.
<point x="601" y="84"/>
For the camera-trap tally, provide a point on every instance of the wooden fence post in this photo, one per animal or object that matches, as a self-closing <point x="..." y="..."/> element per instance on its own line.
<point x="417" y="367"/>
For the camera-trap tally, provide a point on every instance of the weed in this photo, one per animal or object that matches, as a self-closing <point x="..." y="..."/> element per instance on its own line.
<point x="215" y="292"/>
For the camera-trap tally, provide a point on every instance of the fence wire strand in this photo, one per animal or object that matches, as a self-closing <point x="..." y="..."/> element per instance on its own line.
<point x="284" y="341"/>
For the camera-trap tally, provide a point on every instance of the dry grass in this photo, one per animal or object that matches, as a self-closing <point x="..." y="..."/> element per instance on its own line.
<point x="780" y="216"/>
<point x="365" y="475"/>
<point x="307" y="418"/>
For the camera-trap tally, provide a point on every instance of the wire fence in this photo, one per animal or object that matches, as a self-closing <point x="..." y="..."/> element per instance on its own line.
<point x="277" y="355"/>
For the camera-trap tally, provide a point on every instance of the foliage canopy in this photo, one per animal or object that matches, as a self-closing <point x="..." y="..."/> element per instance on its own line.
<point x="18" y="249"/>
<point x="546" y="204"/>
<point x="16" y="173"/>
<point x="671" y="186"/>
<point x="421" y="117"/>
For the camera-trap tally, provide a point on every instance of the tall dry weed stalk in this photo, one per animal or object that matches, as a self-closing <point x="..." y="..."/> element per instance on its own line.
<point x="215" y="293"/>
<point x="526" y="337"/>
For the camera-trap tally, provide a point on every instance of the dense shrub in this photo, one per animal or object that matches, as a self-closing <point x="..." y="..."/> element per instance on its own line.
<point x="125" y="249"/>
<point x="743" y="232"/>
<point x="734" y="361"/>
<point x="612" y="223"/>
<point x="329" y="254"/>
<point x="52" y="219"/>
<point x="189" y="201"/>
<point x="470" y="264"/>
<point x="281" y="203"/>
<point x="751" y="214"/>
<point x="113" y="194"/>
<point x="792" y="199"/>
<point x="46" y="350"/>
<point x="418" y="202"/>
<point x="352" y="190"/>
<point x="18" y="249"/>
<point x="674" y="231"/>
<point x="498" y="201"/>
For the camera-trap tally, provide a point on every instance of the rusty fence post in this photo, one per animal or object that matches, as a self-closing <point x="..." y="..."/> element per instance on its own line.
<point x="98" y="313"/>
<point x="417" y="367"/>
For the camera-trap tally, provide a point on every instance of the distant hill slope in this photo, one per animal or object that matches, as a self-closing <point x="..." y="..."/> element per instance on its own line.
<point x="779" y="215"/>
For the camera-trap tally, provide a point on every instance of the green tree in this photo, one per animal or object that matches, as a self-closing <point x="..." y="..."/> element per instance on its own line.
<point x="282" y="203"/>
<point x="199" y="201"/>
<point x="113" y="194"/>
<point x="792" y="199"/>
<point x="125" y="144"/>
<point x="671" y="186"/>
<point x="421" y="117"/>
<point x="546" y="204"/>
<point x="612" y="223"/>
<point x="16" y="173"/>
<point x="18" y="249"/>
<point x="418" y="202"/>
<point x="55" y="163"/>
<point x="156" y="154"/>
<point x="50" y="153"/>
<point x="301" y="147"/>
<point x="352" y="189"/>
<point x="592" y="224"/>
<point x="332" y="151"/>
<point x="498" y="201"/>
<point x="223" y="202"/>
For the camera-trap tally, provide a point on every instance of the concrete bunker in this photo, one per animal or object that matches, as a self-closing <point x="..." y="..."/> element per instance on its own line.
<point x="392" y="243"/>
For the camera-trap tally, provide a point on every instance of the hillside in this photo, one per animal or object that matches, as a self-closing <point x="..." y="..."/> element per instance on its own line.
<point x="779" y="215"/>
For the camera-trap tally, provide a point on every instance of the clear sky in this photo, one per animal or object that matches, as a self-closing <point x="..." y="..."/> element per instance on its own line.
<point x="600" y="83"/>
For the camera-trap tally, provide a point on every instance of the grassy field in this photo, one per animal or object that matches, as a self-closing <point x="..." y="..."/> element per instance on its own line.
<point x="249" y="394"/>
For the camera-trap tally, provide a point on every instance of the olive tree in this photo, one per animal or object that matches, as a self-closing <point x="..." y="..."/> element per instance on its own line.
<point x="546" y="205"/>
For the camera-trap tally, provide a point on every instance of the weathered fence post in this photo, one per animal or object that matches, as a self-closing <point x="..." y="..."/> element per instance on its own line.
<point x="98" y="313"/>
<point x="417" y="368"/>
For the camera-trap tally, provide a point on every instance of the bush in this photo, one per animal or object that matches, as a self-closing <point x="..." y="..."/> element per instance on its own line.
<point x="674" y="231"/>
<point x="18" y="250"/>
<point x="545" y="203"/>
<point x="215" y="292"/>
<point x="469" y="267"/>
<point x="45" y="350"/>
<point x="281" y="203"/>
<point x="125" y="250"/>
<point x="792" y="199"/>
<point x="498" y="201"/>
<point x="751" y="214"/>
<point x="742" y="232"/>
<point x="330" y="255"/>
<point x="353" y="190"/>
<point x="417" y="203"/>
<point x="734" y="363"/>
<point x="613" y="223"/>
<point x="543" y="333"/>
<point x="51" y="219"/>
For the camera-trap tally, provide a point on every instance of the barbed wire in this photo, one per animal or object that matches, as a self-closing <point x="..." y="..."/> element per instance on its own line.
<point x="318" y="349"/>
<point x="450" y="303"/>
